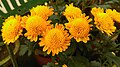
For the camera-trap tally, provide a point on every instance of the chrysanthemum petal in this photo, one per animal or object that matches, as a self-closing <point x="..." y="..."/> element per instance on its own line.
<point x="96" y="10"/>
<point x="72" y="12"/>
<point x="42" y="11"/>
<point x="113" y="14"/>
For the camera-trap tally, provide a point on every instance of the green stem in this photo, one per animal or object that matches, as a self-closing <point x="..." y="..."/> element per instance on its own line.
<point x="11" y="56"/>
<point x="16" y="49"/>
<point x="100" y="1"/>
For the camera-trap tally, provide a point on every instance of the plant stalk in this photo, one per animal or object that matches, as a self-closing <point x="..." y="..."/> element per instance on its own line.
<point x="12" y="57"/>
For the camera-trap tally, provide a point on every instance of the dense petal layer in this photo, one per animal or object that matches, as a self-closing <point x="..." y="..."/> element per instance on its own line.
<point x="35" y="26"/>
<point x="55" y="40"/>
<point x="72" y="12"/>
<point x="11" y="29"/>
<point x="114" y="15"/>
<point x="79" y="29"/>
<point x="42" y="11"/>
<point x="103" y="21"/>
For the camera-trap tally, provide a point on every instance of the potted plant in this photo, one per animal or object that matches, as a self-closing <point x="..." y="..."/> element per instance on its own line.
<point x="67" y="33"/>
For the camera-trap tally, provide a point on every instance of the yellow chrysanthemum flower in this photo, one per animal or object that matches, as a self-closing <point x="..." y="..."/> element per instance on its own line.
<point x="104" y="23"/>
<point x="96" y="10"/>
<point x="11" y="29"/>
<point x="114" y="15"/>
<point x="42" y="11"/>
<point x="72" y="12"/>
<point x="55" y="40"/>
<point x="79" y="29"/>
<point x="35" y="25"/>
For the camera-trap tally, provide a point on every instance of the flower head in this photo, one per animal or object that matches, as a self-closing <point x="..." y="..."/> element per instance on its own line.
<point x="42" y="11"/>
<point x="11" y="29"/>
<point x="72" y="12"/>
<point x="114" y="15"/>
<point x="96" y="10"/>
<point x="79" y="29"/>
<point x="35" y="26"/>
<point x="105" y="23"/>
<point x="55" y="40"/>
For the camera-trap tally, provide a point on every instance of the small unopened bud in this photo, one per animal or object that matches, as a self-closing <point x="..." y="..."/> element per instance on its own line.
<point x="113" y="53"/>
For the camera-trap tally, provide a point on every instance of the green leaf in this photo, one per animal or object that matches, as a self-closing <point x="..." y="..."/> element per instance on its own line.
<point x="112" y="1"/>
<point x="1" y="43"/>
<point x="114" y="45"/>
<point x="114" y="37"/>
<point x="104" y="6"/>
<point x="23" y="8"/>
<point x="54" y="17"/>
<point x="30" y="46"/>
<point x="71" y="49"/>
<point x="78" y="1"/>
<point x="50" y="64"/>
<point x="29" y="52"/>
<point x="95" y="64"/>
<point x="0" y="49"/>
<point x="110" y="57"/>
<point x="78" y="61"/>
<point x="23" y="50"/>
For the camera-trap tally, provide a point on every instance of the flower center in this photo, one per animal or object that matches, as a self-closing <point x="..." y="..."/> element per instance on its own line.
<point x="13" y="29"/>
<point x="80" y="28"/>
<point x="54" y="38"/>
<point x="105" y="21"/>
<point x="35" y="25"/>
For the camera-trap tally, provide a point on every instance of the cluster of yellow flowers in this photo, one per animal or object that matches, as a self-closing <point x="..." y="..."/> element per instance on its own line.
<point x="56" y="38"/>
<point x="105" y="21"/>
<point x="78" y="25"/>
